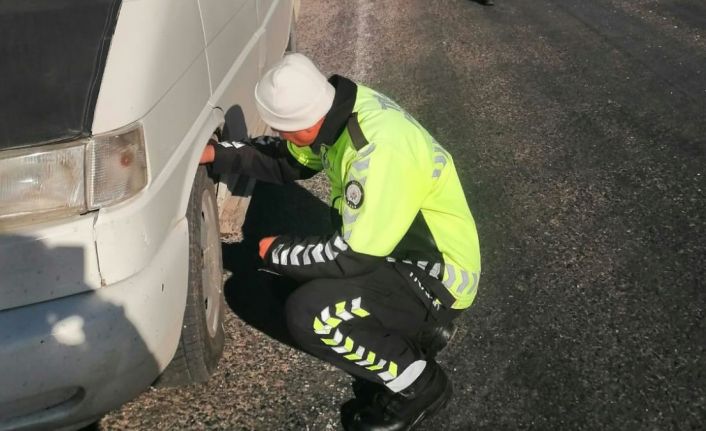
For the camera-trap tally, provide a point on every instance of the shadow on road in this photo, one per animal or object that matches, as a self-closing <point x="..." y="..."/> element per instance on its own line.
<point x="255" y="296"/>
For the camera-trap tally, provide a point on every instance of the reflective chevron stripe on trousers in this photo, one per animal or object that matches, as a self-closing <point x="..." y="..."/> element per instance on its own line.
<point x="366" y="325"/>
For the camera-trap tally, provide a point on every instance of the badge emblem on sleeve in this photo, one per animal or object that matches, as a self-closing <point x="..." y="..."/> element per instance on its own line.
<point x="354" y="194"/>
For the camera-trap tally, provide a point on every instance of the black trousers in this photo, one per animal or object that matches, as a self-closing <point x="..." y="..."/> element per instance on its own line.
<point x="370" y="325"/>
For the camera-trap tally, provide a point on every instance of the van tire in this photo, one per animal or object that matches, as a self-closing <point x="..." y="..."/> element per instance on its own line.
<point x="202" y="336"/>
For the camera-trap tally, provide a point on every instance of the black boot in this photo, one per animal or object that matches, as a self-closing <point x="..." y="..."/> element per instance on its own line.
<point x="431" y="340"/>
<point x="401" y="411"/>
<point x="365" y="393"/>
<point x="434" y="339"/>
<point x="365" y="390"/>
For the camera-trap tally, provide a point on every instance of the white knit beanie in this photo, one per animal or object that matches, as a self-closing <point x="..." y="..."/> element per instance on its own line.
<point x="293" y="95"/>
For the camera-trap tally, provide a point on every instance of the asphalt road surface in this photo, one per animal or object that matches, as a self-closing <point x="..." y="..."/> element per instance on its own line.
<point x="579" y="130"/>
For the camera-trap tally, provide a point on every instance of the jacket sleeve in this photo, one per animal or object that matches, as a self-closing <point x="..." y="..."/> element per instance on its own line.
<point x="318" y="257"/>
<point x="266" y="158"/>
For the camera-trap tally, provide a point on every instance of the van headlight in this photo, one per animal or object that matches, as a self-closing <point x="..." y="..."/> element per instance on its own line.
<point x="54" y="181"/>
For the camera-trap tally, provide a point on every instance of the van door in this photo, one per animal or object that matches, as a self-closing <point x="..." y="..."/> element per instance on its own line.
<point x="275" y="17"/>
<point x="231" y="33"/>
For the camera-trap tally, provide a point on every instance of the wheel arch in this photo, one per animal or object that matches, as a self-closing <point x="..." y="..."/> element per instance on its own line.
<point x="214" y="125"/>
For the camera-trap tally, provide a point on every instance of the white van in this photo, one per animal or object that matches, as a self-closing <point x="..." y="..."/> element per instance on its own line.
<point x="110" y="258"/>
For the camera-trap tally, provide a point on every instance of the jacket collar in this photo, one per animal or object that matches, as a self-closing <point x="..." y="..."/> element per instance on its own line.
<point x="337" y="117"/>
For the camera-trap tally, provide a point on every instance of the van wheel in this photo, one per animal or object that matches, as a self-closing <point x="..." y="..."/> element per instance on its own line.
<point x="202" y="336"/>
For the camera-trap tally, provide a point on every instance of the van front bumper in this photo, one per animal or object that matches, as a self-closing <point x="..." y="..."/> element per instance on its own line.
<point x="71" y="359"/>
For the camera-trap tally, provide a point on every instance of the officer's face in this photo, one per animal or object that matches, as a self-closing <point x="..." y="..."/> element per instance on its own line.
<point x="302" y="138"/>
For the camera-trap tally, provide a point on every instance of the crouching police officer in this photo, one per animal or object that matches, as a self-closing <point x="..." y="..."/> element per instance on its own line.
<point x="378" y="295"/>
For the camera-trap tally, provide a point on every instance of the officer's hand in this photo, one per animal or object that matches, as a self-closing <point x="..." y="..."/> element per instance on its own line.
<point x="208" y="155"/>
<point x="265" y="244"/>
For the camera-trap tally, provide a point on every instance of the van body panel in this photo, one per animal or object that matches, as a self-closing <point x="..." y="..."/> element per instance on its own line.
<point x="277" y="22"/>
<point x="233" y="64"/>
<point x="154" y="43"/>
<point x="229" y="93"/>
<point x="109" y="344"/>
<point x="263" y="9"/>
<point x="217" y="13"/>
<point x="48" y="262"/>
<point x="231" y="41"/>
